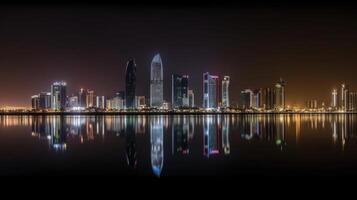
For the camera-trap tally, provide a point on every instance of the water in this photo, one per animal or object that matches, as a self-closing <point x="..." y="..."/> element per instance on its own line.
<point x="164" y="146"/>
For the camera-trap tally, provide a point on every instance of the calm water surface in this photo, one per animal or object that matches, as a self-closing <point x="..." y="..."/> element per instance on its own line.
<point x="192" y="145"/>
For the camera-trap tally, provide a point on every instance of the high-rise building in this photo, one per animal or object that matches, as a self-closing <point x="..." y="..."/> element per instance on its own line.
<point x="191" y="99"/>
<point x="344" y="97"/>
<point x="130" y="84"/>
<point x="334" y="100"/>
<point x="45" y="100"/>
<point x="280" y="95"/>
<point x="58" y="95"/>
<point x="268" y="98"/>
<point x="180" y="91"/>
<point x="246" y="99"/>
<point x="73" y="102"/>
<point x="140" y="102"/>
<point x="90" y="99"/>
<point x="225" y="91"/>
<point x="257" y="98"/>
<point x="352" y="101"/>
<point x="82" y="98"/>
<point x="35" y="102"/>
<point x="210" y="90"/>
<point x="156" y="82"/>
<point x="100" y="102"/>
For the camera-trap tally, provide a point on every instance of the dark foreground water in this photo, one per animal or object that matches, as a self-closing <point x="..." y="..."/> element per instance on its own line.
<point x="161" y="146"/>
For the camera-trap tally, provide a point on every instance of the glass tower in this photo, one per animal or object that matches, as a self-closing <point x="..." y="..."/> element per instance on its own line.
<point x="156" y="82"/>
<point x="210" y="90"/>
<point x="130" y="84"/>
<point x="58" y="95"/>
<point x="225" y="91"/>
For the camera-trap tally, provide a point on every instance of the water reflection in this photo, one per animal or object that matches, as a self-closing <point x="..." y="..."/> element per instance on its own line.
<point x="217" y="135"/>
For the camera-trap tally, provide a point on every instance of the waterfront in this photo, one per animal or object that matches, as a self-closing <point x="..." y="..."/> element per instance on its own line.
<point x="179" y="145"/>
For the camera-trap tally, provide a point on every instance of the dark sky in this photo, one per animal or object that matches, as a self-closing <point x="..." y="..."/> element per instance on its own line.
<point x="313" y="49"/>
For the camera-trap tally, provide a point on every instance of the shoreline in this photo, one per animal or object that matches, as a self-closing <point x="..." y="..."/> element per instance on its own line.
<point x="175" y="113"/>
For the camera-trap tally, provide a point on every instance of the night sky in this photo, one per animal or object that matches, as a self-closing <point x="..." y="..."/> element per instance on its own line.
<point x="313" y="49"/>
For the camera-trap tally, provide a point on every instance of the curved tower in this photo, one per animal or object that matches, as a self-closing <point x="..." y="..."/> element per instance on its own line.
<point x="130" y="83"/>
<point x="156" y="82"/>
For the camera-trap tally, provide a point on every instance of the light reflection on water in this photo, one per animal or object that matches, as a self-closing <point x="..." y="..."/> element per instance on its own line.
<point x="181" y="135"/>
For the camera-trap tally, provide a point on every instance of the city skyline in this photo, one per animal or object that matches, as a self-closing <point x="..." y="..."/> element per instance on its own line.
<point x="254" y="48"/>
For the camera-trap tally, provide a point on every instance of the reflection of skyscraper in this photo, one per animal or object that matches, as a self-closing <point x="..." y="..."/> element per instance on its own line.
<point x="210" y="90"/>
<point x="58" y="95"/>
<point x="225" y="91"/>
<point x="58" y="133"/>
<point x="225" y="135"/>
<point x="130" y="141"/>
<point x="130" y="84"/>
<point x="157" y="144"/>
<point x="211" y="143"/>
<point x="156" y="82"/>
<point x="180" y="135"/>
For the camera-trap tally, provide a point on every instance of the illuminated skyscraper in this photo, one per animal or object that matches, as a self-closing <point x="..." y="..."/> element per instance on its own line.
<point x="180" y="91"/>
<point x="35" y="102"/>
<point x="100" y="102"/>
<point x="58" y="95"/>
<point x="82" y="98"/>
<point x="130" y="84"/>
<point x="73" y="101"/>
<point x="210" y="90"/>
<point x="157" y="144"/>
<point x="225" y="91"/>
<point x="246" y="99"/>
<point x="90" y="99"/>
<point x="191" y="99"/>
<point x="268" y="98"/>
<point x="257" y="99"/>
<point x="280" y="95"/>
<point x="334" y="100"/>
<point x="344" y="97"/>
<point x="156" y="82"/>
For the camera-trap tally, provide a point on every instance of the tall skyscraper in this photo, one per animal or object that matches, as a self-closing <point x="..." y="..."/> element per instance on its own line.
<point x="35" y="102"/>
<point x="268" y="98"/>
<point x="191" y="99"/>
<point x="344" y="97"/>
<point x="90" y="99"/>
<point x="180" y="91"/>
<point x="257" y="99"/>
<point x="45" y="100"/>
<point x="100" y="102"/>
<point x="82" y="98"/>
<point x="58" y="95"/>
<point x="246" y="99"/>
<point x="130" y="84"/>
<point x="225" y="91"/>
<point x="280" y="95"/>
<point x="73" y="101"/>
<point x="210" y="90"/>
<point x="334" y="100"/>
<point x="156" y="82"/>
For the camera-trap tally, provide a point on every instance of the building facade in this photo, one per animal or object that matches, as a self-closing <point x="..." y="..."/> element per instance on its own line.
<point x="180" y="91"/>
<point x="130" y="84"/>
<point x="58" y="95"/>
<point x="210" y="90"/>
<point x="156" y="82"/>
<point x="225" y="91"/>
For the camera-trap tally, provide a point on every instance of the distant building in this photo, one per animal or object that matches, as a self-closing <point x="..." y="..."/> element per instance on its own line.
<point x="58" y="95"/>
<point x="225" y="91"/>
<point x="257" y="101"/>
<point x="180" y="91"/>
<point x="45" y="100"/>
<point x="73" y="102"/>
<point x="100" y="102"/>
<point x="82" y="98"/>
<point x="246" y="99"/>
<point x="312" y="104"/>
<point x="344" y="97"/>
<point x="140" y="102"/>
<point x="334" y="100"/>
<point x="280" y="95"/>
<point x="268" y="98"/>
<point x="210" y="90"/>
<point x="90" y="99"/>
<point x="130" y="84"/>
<point x="35" y="102"/>
<point x="191" y="99"/>
<point x="352" y="100"/>
<point x="156" y="82"/>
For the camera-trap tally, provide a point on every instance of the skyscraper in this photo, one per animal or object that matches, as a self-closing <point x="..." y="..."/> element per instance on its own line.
<point x="210" y="90"/>
<point x="191" y="99"/>
<point x="156" y="82"/>
<point x="45" y="100"/>
<point x="246" y="99"/>
<point x="225" y="91"/>
<point x="268" y="98"/>
<point x="82" y="98"/>
<point x="100" y="102"/>
<point x="280" y="95"/>
<point x="58" y="95"/>
<point x="180" y="91"/>
<point x="35" y="102"/>
<point x="130" y="84"/>
<point x="90" y="99"/>
<point x="344" y="97"/>
<point x="334" y="100"/>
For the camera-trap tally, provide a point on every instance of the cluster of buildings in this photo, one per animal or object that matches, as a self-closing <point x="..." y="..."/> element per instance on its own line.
<point x="344" y="99"/>
<point x="264" y="99"/>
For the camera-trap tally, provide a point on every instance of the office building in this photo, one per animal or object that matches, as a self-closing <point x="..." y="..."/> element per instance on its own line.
<point x="156" y="82"/>
<point x="210" y="90"/>
<point x="58" y="95"/>
<point x="130" y="84"/>
<point x="225" y="91"/>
